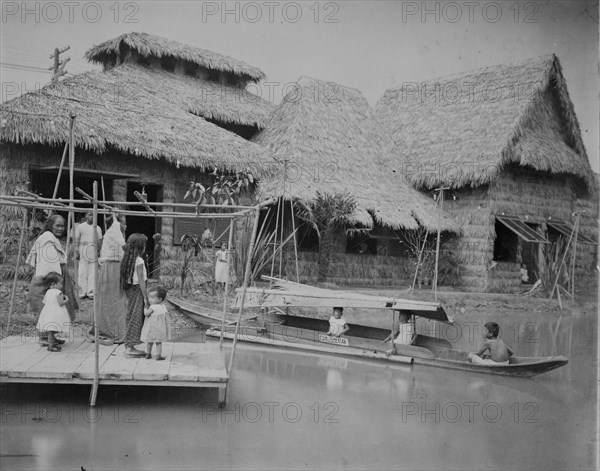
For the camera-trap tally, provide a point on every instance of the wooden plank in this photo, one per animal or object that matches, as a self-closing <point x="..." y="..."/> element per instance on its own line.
<point x="31" y="357"/>
<point x="14" y="349"/>
<point x="152" y="370"/>
<point x="197" y="362"/>
<point x="64" y="365"/>
<point x="185" y="362"/>
<point x="86" y="369"/>
<point x="118" y="366"/>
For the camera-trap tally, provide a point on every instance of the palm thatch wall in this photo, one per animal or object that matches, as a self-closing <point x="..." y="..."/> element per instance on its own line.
<point x="333" y="143"/>
<point x="505" y="139"/>
<point x="113" y="52"/>
<point x="16" y="162"/>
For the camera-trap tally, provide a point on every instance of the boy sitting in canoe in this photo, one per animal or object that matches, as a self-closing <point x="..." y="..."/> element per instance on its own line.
<point x="499" y="352"/>
<point x="337" y="323"/>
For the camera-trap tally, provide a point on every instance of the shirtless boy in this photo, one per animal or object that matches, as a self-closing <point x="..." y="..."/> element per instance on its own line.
<point x="499" y="352"/>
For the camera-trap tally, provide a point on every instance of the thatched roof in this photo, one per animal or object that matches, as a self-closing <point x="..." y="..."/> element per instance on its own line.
<point x="142" y="112"/>
<point x="462" y="129"/>
<point x="334" y="144"/>
<point x="149" y="45"/>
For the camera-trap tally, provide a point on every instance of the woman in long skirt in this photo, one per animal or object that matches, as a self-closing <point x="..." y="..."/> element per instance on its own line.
<point x="111" y="303"/>
<point x="133" y="285"/>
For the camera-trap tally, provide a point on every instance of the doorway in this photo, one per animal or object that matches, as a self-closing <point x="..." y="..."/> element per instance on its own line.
<point x="149" y="226"/>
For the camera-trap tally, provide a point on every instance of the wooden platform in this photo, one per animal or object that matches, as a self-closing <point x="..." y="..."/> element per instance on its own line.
<point x="202" y="365"/>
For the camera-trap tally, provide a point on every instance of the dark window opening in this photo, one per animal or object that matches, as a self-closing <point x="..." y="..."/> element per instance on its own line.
<point x="190" y="69"/>
<point x="146" y="225"/>
<point x="505" y="245"/>
<point x="167" y="63"/>
<point x="144" y="60"/>
<point x="242" y="130"/>
<point x="308" y="238"/>
<point x="213" y="75"/>
<point x="361" y="244"/>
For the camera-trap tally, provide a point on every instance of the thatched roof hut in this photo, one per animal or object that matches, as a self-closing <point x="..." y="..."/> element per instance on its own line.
<point x="114" y="51"/>
<point x="145" y="111"/>
<point x="334" y="144"/>
<point x="461" y="130"/>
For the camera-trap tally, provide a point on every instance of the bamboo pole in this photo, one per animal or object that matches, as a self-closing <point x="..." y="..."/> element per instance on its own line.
<point x="94" y="392"/>
<point x="437" y="244"/>
<point x="419" y="261"/>
<point x="59" y="205"/>
<point x="17" y="266"/>
<point x="244" y="209"/>
<point x="229" y="259"/>
<point x="103" y="198"/>
<point x="60" y="168"/>
<point x="281" y="236"/>
<point x="574" y="254"/>
<point x="244" y="286"/>
<point x="295" y="241"/>
<point x="560" y="267"/>
<point x="71" y="193"/>
<point x="275" y="238"/>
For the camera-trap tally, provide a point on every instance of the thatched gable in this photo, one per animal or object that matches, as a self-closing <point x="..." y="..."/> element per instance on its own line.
<point x="141" y="112"/>
<point x="113" y="52"/>
<point x="334" y="144"/>
<point x="461" y="130"/>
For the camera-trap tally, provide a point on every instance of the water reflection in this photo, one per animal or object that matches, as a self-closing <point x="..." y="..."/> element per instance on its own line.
<point x="289" y="409"/>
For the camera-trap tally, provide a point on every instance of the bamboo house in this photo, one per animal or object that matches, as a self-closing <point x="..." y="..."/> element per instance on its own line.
<point x="331" y="143"/>
<point x="159" y="115"/>
<point x="505" y="142"/>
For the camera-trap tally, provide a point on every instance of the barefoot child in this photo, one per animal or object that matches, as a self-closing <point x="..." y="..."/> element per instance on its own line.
<point x="337" y="323"/>
<point x="498" y="351"/>
<point x="54" y="316"/>
<point x="156" y="328"/>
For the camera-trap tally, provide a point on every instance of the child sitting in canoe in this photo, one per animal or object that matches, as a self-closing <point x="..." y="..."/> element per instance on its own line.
<point x="337" y="323"/>
<point x="499" y="352"/>
<point x="404" y="332"/>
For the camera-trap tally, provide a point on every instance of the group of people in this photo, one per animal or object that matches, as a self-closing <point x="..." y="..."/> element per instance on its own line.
<point x="493" y="352"/>
<point x="129" y="312"/>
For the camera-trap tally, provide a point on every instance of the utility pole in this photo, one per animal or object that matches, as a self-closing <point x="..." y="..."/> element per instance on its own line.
<point x="58" y="67"/>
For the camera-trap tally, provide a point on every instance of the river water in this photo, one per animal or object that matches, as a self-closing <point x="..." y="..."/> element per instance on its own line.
<point x="292" y="410"/>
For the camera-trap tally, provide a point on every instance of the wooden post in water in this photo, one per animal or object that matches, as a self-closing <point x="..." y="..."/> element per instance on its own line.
<point x="574" y="253"/>
<point x="17" y="266"/>
<point x="437" y="244"/>
<point x="227" y="280"/>
<point x="245" y="285"/>
<point x="94" y="392"/>
<point x="295" y="241"/>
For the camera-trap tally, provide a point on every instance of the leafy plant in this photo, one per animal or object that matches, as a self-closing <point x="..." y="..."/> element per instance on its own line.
<point x="328" y="214"/>
<point x="223" y="191"/>
<point x="191" y="247"/>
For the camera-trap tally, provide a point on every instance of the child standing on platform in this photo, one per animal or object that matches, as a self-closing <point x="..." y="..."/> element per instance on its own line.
<point x="157" y="328"/>
<point x="54" y="316"/>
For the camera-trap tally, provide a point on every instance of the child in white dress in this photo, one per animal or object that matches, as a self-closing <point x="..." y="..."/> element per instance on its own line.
<point x="54" y="316"/>
<point x="337" y="323"/>
<point x="157" y="328"/>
